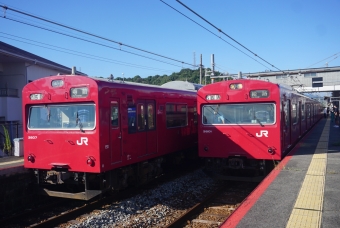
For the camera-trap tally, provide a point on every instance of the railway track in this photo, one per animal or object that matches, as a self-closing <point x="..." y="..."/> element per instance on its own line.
<point x="215" y="208"/>
<point x="62" y="212"/>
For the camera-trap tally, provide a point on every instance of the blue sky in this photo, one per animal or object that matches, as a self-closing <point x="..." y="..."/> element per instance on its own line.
<point x="289" y="34"/>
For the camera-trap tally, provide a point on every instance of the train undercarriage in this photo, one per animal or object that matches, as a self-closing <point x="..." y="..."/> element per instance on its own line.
<point x="239" y="168"/>
<point x="84" y="186"/>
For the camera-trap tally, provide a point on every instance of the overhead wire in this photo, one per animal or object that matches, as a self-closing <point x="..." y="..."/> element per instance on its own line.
<point x="93" y="35"/>
<point x="212" y="32"/>
<point x="104" y="45"/>
<point x="82" y="54"/>
<point x="326" y="59"/>
<point x="220" y="30"/>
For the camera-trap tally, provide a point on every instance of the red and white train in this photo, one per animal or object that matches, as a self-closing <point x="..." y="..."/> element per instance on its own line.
<point x="246" y="125"/>
<point x="83" y="136"/>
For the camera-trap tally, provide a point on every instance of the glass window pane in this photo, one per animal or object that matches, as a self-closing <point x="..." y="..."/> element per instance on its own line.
<point x="140" y="117"/>
<point x="56" y="117"/>
<point x="239" y="114"/>
<point x="114" y="115"/>
<point x="176" y="115"/>
<point x="151" y="118"/>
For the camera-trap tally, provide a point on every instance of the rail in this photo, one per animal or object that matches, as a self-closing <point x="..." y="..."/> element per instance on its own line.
<point x="216" y="207"/>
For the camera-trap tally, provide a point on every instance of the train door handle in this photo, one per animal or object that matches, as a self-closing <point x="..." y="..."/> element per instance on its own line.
<point x="120" y="135"/>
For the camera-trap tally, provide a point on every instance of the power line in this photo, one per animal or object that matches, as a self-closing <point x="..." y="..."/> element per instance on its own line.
<point x="82" y="54"/>
<point x="212" y="32"/>
<point x="91" y="34"/>
<point x="104" y="45"/>
<point x="220" y="30"/>
<point x="325" y="59"/>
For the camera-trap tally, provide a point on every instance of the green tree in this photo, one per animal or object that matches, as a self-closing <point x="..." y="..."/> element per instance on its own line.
<point x="7" y="145"/>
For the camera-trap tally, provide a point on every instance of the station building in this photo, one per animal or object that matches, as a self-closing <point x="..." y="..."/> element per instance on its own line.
<point x="17" y="68"/>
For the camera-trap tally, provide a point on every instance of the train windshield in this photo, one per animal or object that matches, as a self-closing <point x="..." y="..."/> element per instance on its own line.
<point x="258" y="113"/>
<point x="62" y="117"/>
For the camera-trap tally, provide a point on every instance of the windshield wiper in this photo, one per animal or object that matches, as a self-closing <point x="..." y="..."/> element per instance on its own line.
<point x="78" y="122"/>
<point x="259" y="122"/>
<point x="48" y="113"/>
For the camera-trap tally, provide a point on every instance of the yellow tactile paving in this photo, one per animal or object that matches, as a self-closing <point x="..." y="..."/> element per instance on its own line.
<point x="322" y="145"/>
<point x="304" y="218"/>
<point x="12" y="162"/>
<point x="317" y="167"/>
<point x="320" y="156"/>
<point x="307" y="210"/>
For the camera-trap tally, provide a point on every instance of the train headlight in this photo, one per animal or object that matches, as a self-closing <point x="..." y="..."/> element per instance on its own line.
<point x="36" y="96"/>
<point x="31" y="158"/>
<point x="236" y="86"/>
<point x="213" y="97"/>
<point x="90" y="161"/>
<point x="271" y="150"/>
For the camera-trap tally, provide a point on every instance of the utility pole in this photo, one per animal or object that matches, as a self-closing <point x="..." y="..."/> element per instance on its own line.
<point x="212" y="67"/>
<point x="201" y="70"/>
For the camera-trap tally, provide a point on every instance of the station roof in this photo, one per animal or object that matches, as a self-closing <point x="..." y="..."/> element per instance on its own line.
<point x="10" y="54"/>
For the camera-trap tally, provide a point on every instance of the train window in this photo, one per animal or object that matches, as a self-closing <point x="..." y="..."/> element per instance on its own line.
<point x="302" y="111"/>
<point x="250" y="113"/>
<point x="308" y="111"/>
<point x="114" y="115"/>
<point x="286" y="113"/>
<point x="141" y="122"/>
<point x="132" y="119"/>
<point x="151" y="116"/>
<point x="195" y="115"/>
<point x="294" y="113"/>
<point x="62" y="117"/>
<point x="176" y="115"/>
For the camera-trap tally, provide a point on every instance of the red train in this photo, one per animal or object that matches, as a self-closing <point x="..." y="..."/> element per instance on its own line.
<point x="247" y="125"/>
<point x="84" y="136"/>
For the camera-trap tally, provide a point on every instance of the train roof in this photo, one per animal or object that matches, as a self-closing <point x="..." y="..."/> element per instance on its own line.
<point x="178" y="85"/>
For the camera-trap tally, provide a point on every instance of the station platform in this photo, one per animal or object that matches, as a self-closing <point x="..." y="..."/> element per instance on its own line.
<point x="11" y="164"/>
<point x="302" y="191"/>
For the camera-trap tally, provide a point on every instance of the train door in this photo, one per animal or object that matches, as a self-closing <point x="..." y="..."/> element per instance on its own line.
<point x="300" y="118"/>
<point x="308" y="117"/>
<point x="115" y="132"/>
<point x="146" y="127"/>
<point x="151" y="127"/>
<point x="286" y="124"/>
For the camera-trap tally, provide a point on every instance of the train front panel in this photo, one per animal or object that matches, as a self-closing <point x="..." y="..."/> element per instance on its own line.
<point x="61" y="124"/>
<point x="240" y="119"/>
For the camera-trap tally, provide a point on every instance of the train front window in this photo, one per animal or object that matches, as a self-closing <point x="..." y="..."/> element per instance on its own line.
<point x="258" y="113"/>
<point x="64" y="117"/>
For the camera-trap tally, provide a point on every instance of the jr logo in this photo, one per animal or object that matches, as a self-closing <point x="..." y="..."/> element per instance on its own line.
<point x="262" y="133"/>
<point x="83" y="140"/>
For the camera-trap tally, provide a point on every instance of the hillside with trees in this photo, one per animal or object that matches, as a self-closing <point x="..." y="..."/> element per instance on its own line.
<point x="189" y="75"/>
